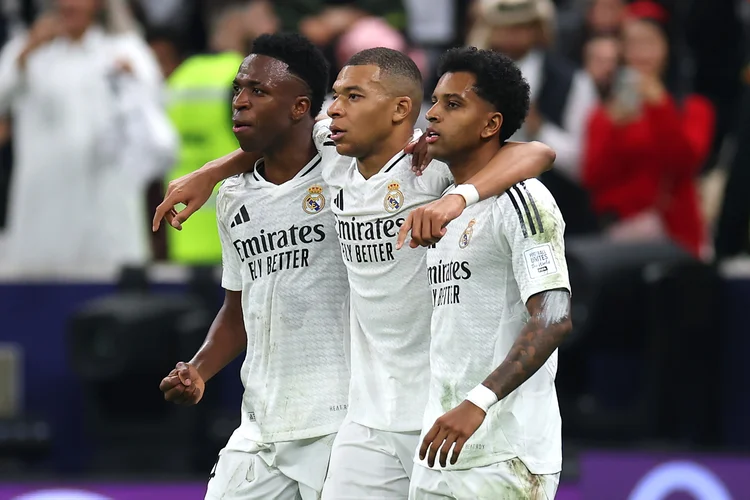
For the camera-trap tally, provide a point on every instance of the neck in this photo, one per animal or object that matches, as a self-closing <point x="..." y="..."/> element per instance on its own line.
<point x="77" y="34"/>
<point x="466" y="165"/>
<point x="290" y="154"/>
<point x="372" y="164"/>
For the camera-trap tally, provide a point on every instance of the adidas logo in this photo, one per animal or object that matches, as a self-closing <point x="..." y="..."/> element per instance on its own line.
<point x="339" y="200"/>
<point x="241" y="217"/>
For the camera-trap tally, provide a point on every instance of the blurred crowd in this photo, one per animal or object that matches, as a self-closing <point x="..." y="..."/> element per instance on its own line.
<point x="102" y="102"/>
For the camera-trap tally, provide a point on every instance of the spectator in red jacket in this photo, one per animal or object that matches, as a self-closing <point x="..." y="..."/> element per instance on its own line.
<point x="644" y="147"/>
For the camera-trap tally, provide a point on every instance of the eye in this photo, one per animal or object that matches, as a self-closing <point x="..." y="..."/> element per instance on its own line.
<point x="354" y="97"/>
<point x="453" y="104"/>
<point x="235" y="89"/>
<point x="257" y="91"/>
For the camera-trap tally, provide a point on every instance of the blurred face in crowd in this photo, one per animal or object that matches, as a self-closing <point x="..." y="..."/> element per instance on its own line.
<point x="460" y="120"/>
<point x="601" y="59"/>
<point x="645" y="47"/>
<point x="516" y="41"/>
<point x="363" y="111"/>
<point x="605" y="16"/>
<point x="267" y="101"/>
<point x="77" y="15"/>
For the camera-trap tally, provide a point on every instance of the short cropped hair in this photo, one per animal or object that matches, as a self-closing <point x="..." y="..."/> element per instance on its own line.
<point x="391" y="63"/>
<point x="402" y="72"/>
<point x="498" y="81"/>
<point x="304" y="60"/>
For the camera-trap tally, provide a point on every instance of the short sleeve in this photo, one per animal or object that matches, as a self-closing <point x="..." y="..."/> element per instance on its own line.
<point x="530" y="226"/>
<point x="436" y="178"/>
<point x="231" y="275"/>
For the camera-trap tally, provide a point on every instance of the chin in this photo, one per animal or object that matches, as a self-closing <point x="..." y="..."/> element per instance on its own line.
<point x="346" y="150"/>
<point x="249" y="146"/>
<point x="437" y="153"/>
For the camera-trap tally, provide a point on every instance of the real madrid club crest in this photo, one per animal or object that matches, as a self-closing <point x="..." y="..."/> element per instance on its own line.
<point x="465" y="238"/>
<point x="394" y="198"/>
<point x="314" y="201"/>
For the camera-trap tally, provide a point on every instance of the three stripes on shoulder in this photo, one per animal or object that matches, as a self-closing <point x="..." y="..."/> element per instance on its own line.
<point x="526" y="209"/>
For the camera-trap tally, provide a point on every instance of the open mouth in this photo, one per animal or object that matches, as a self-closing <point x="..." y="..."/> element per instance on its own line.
<point x="431" y="136"/>
<point x="336" y="133"/>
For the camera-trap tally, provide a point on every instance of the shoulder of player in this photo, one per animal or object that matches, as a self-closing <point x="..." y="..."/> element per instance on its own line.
<point x="440" y="168"/>
<point x="530" y="192"/>
<point x="529" y="198"/>
<point x="237" y="186"/>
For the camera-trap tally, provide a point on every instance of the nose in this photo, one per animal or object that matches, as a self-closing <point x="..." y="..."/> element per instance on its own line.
<point x="241" y="101"/>
<point x="431" y="114"/>
<point x="334" y="110"/>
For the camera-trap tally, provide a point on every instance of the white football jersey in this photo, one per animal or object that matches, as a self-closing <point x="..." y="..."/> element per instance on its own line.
<point x="280" y="249"/>
<point x="390" y="297"/>
<point x="496" y="255"/>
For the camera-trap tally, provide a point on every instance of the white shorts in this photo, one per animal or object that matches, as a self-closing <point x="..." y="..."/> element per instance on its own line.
<point x="370" y="464"/>
<point x="509" y="480"/>
<point x="290" y="470"/>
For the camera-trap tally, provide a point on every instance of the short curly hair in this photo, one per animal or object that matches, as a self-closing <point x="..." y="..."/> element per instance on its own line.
<point x="498" y="81"/>
<point x="304" y="60"/>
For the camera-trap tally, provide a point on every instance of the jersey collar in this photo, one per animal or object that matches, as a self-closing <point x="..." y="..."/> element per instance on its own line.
<point x="259" y="168"/>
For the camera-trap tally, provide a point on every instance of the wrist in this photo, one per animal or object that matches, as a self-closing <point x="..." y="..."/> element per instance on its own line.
<point x="200" y="368"/>
<point x="212" y="172"/>
<point x="468" y="192"/>
<point x="482" y="397"/>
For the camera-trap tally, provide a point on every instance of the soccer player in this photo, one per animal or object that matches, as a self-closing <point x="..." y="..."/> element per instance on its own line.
<point x="285" y="287"/>
<point x="501" y="304"/>
<point x="372" y="119"/>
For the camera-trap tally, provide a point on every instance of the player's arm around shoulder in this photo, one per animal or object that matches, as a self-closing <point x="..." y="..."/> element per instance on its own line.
<point x="513" y="163"/>
<point x="194" y="189"/>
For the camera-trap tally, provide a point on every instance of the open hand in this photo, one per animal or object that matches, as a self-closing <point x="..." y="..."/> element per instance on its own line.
<point x="455" y="427"/>
<point x="183" y="385"/>
<point x="427" y="223"/>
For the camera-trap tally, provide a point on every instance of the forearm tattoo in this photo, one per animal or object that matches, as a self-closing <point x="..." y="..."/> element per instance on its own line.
<point x="547" y="328"/>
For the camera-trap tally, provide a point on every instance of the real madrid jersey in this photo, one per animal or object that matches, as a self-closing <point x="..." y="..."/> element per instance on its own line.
<point x="390" y="297"/>
<point x="496" y="255"/>
<point x="280" y="249"/>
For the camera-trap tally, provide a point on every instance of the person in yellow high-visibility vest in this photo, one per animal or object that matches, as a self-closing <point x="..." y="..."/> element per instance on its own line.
<point x="200" y="92"/>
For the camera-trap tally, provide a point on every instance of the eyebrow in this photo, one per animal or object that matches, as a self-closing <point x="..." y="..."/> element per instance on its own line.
<point x="449" y="96"/>
<point x="241" y="82"/>
<point x="350" y="88"/>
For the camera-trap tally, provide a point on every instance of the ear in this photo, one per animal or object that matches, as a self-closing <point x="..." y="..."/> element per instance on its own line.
<point x="403" y="109"/>
<point x="493" y="125"/>
<point x="301" y="107"/>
